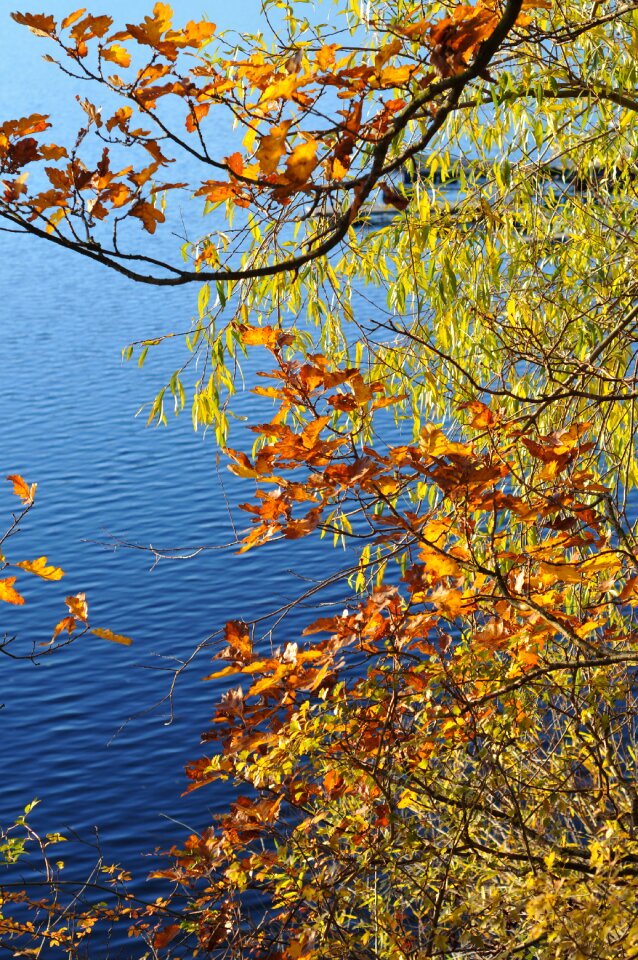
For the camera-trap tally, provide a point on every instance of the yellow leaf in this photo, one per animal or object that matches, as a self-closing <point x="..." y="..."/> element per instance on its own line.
<point x="326" y="56"/>
<point x="40" y="569"/>
<point x="72" y="17"/>
<point x="302" y="162"/>
<point x="434" y="443"/>
<point x="387" y="51"/>
<point x="114" y="637"/>
<point x="271" y="147"/>
<point x="565" y="572"/>
<point x="7" y="592"/>
<point x="117" y="54"/>
<point x="199" y="33"/>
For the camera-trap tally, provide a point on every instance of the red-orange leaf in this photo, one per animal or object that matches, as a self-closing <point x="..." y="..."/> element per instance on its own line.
<point x="392" y="197"/>
<point x="163" y="937"/>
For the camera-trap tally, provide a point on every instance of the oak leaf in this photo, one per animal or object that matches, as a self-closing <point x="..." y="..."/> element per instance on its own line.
<point x="117" y="54"/>
<point x="22" y="489"/>
<point x="389" y="50"/>
<point x="271" y="147"/>
<point x="325" y="58"/>
<point x="163" y="937"/>
<point x="237" y="636"/>
<point x="72" y="17"/>
<point x="67" y="623"/>
<point x="109" y="635"/>
<point x="43" y="25"/>
<point x="301" y="162"/>
<point x="78" y="607"/>
<point x="8" y="593"/>
<point x="41" y="569"/>
<point x="198" y="33"/>
<point x="148" y="214"/>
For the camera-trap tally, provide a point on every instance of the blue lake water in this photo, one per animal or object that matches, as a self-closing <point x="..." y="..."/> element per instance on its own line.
<point x="68" y="422"/>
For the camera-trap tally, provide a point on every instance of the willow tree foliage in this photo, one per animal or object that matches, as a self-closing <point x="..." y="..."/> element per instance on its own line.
<point x="427" y="208"/>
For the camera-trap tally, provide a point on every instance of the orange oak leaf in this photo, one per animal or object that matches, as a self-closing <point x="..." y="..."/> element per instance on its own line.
<point x="41" y="569"/>
<point x="53" y="152"/>
<point x="109" y="635"/>
<point x="237" y="637"/>
<point x="72" y="17"/>
<point x="198" y="33"/>
<point x="198" y="112"/>
<point x="78" y="607"/>
<point x="8" y="593"/>
<point x="148" y="214"/>
<point x="482" y="415"/>
<point x="301" y="162"/>
<point x="43" y="25"/>
<point x="326" y="56"/>
<point x="117" y="54"/>
<point x="271" y="146"/>
<point x="389" y="50"/>
<point x="163" y="937"/>
<point x="67" y="623"/>
<point x="22" y="489"/>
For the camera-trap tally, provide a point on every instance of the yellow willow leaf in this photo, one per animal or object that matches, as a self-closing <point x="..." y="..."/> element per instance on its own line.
<point x="109" y="635"/>
<point x="249" y="139"/>
<point x="41" y="569"/>
<point x="8" y="593"/>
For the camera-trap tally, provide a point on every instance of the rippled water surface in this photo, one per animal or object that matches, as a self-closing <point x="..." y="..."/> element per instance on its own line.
<point x="68" y="422"/>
